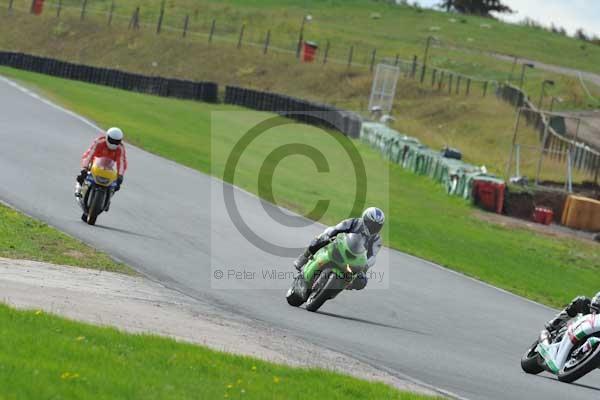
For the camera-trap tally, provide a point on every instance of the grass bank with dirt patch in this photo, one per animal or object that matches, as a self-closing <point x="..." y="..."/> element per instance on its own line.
<point x="22" y="237"/>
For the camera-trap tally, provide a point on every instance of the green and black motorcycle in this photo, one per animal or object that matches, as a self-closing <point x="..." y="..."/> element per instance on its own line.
<point x="332" y="269"/>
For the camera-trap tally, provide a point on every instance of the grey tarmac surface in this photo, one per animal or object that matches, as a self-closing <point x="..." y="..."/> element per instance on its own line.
<point x="169" y="222"/>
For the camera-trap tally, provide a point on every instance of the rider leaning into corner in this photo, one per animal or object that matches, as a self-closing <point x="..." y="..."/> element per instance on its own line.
<point x="369" y="225"/>
<point x="108" y="145"/>
<point x="580" y="305"/>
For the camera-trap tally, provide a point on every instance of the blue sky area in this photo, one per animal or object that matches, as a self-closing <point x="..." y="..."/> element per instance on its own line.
<point x="570" y="14"/>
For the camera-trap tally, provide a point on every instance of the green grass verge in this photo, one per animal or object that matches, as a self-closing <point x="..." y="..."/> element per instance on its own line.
<point x="46" y="357"/>
<point x="22" y="237"/>
<point x="422" y="220"/>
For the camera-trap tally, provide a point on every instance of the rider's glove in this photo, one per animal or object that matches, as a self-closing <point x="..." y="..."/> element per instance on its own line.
<point x="119" y="182"/>
<point x="81" y="177"/>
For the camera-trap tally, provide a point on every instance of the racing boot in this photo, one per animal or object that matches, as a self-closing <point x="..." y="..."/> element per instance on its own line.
<point x="302" y="260"/>
<point x="78" y="190"/>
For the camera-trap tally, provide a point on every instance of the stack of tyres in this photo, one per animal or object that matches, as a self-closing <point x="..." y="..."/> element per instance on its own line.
<point x="488" y="193"/>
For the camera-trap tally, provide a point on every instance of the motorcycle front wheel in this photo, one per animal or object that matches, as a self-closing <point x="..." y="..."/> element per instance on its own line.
<point x="530" y="362"/>
<point x="96" y="205"/>
<point x="325" y="287"/>
<point x="573" y="371"/>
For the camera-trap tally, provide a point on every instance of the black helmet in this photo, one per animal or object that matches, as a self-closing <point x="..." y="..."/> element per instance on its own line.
<point x="373" y="219"/>
<point x="595" y="304"/>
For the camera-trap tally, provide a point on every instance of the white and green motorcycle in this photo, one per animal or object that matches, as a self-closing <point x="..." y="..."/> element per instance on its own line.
<point x="329" y="271"/>
<point x="569" y="353"/>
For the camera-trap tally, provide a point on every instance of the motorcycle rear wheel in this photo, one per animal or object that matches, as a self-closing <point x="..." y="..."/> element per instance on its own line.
<point x="587" y="365"/>
<point x="530" y="362"/>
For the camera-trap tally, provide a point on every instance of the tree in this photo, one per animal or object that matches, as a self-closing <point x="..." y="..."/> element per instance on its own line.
<point x="483" y="8"/>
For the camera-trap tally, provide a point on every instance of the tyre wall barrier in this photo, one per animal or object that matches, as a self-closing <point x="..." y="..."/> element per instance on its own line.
<point x="312" y="113"/>
<point x="166" y="87"/>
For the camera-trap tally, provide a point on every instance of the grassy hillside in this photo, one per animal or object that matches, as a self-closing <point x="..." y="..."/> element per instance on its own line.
<point x="78" y="361"/>
<point x="22" y="237"/>
<point x="423" y="220"/>
<point x="480" y="127"/>
<point x="464" y="41"/>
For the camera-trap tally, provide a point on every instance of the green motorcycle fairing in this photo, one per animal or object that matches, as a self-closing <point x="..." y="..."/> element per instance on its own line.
<point x="346" y="253"/>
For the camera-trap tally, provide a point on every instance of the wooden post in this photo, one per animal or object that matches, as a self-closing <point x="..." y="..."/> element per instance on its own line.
<point x="350" y="54"/>
<point x="83" y="7"/>
<point x="267" y="41"/>
<point x="373" y="54"/>
<point x="423" y="72"/>
<point x="186" y="24"/>
<point x="441" y="81"/>
<point x="10" y="5"/>
<point x="212" y="30"/>
<point x="450" y="79"/>
<point x="433" y="76"/>
<point x="468" y="87"/>
<point x="111" y="12"/>
<point x="31" y="7"/>
<point x="458" y="80"/>
<point x="241" y="38"/>
<point x="326" y="53"/>
<point x="160" y="17"/>
<point x="485" y="87"/>
<point x="397" y="61"/>
<point x="58" y="9"/>
<point x="413" y="71"/>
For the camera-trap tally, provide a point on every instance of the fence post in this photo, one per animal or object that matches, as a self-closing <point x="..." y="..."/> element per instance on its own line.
<point x="58" y="8"/>
<point x="468" y="86"/>
<point x="212" y="30"/>
<point x="83" y="7"/>
<point x="414" y="67"/>
<point x="441" y="81"/>
<point x="241" y="38"/>
<point x="433" y="76"/>
<point x="397" y="60"/>
<point x="485" y="87"/>
<point x="458" y="80"/>
<point x="267" y="41"/>
<point x="326" y="54"/>
<point x="186" y="24"/>
<point x="542" y="149"/>
<point x="31" y="7"/>
<point x="110" y="12"/>
<point x="450" y="79"/>
<point x="10" y="5"/>
<point x="160" y="17"/>
<point x="373" y="54"/>
<point x="423" y="72"/>
<point x="350" y="54"/>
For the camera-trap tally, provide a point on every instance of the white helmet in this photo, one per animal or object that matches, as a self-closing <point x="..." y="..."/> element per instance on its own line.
<point x="114" y="136"/>
<point x="373" y="219"/>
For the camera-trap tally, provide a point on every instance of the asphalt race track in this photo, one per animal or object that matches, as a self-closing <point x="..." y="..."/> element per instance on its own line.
<point x="170" y="223"/>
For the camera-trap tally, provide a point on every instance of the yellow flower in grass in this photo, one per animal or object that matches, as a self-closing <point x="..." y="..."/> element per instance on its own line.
<point x="38" y="312"/>
<point x="229" y="386"/>
<point x="69" y="376"/>
<point x="276" y="379"/>
<point x="80" y="338"/>
<point x="254" y="368"/>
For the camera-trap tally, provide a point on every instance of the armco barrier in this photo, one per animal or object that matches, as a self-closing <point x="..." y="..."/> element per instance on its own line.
<point x="183" y="89"/>
<point x="308" y="112"/>
<point x="304" y="111"/>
